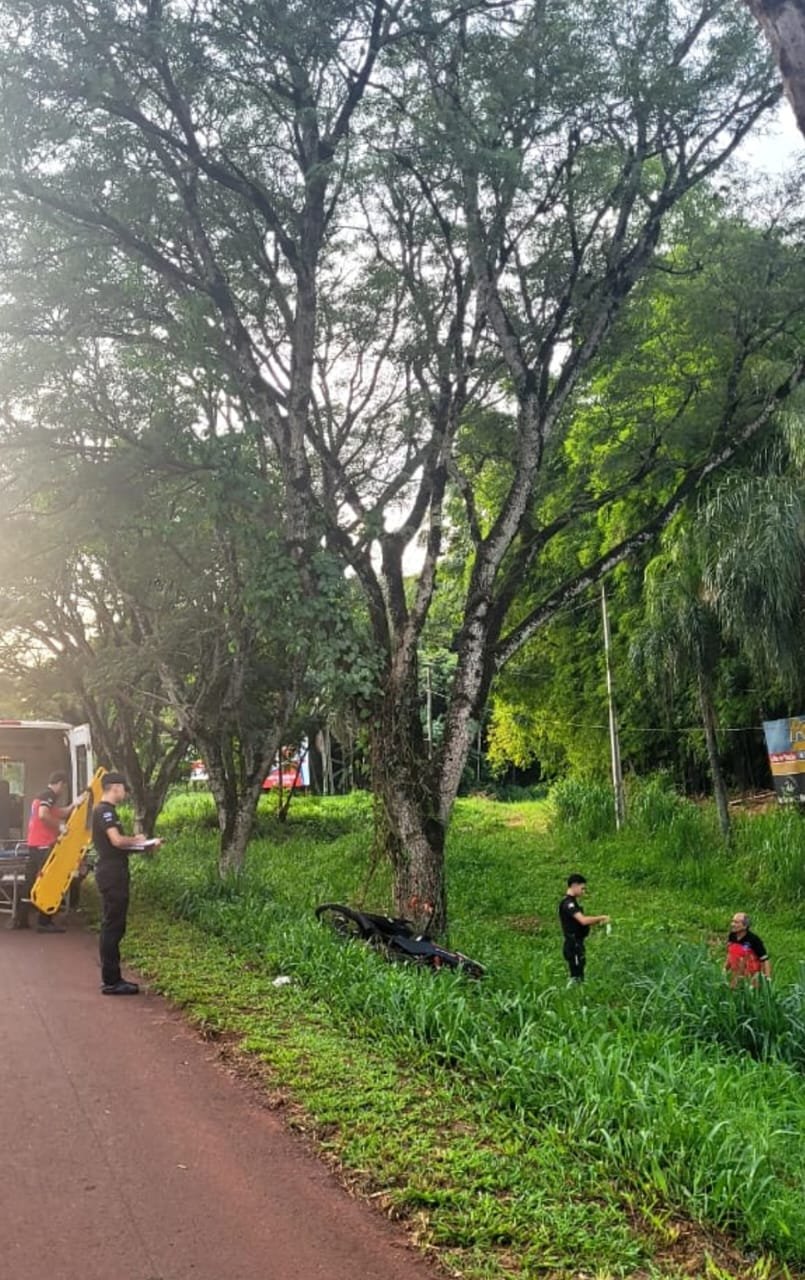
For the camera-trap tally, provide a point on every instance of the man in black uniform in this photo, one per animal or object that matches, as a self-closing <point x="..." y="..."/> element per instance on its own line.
<point x="112" y="878"/>
<point x="576" y="926"/>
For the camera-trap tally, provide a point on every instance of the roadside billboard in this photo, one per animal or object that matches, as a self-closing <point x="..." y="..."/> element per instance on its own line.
<point x="292" y="771"/>
<point x="785" y="743"/>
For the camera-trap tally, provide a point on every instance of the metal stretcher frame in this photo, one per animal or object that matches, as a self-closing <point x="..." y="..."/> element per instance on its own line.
<point x="13" y="865"/>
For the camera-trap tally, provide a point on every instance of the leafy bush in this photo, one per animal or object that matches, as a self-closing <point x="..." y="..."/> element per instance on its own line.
<point x="653" y="803"/>
<point x="585" y="805"/>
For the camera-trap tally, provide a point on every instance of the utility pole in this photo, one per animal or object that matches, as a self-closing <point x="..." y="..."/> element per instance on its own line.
<point x="615" y="750"/>
<point x="328" y="738"/>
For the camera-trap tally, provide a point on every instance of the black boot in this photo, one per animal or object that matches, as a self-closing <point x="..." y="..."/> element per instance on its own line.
<point x="49" y="926"/>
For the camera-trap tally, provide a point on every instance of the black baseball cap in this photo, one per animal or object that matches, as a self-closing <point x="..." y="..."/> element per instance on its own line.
<point x="114" y="779"/>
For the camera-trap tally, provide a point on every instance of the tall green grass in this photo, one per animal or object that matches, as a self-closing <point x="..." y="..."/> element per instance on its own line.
<point x="656" y="1070"/>
<point x="670" y="840"/>
<point x="770" y="851"/>
<point x="681" y="988"/>
<point x="584" y="805"/>
<point x="328" y="817"/>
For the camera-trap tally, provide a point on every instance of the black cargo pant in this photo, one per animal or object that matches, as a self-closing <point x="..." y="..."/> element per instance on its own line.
<point x="573" y="951"/>
<point x="114" y="890"/>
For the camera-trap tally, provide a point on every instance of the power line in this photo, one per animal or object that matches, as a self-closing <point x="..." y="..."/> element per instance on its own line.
<point x="692" y="728"/>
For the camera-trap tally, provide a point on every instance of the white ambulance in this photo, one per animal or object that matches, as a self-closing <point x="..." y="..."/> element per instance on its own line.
<point x="30" y="750"/>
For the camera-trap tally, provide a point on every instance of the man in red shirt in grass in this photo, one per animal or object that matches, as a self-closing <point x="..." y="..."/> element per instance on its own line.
<point x="746" y="954"/>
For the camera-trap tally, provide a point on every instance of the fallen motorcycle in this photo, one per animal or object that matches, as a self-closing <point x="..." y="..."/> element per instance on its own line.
<point x="395" y="936"/>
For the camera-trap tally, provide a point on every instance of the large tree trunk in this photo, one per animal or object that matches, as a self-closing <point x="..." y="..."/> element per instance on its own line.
<point x="236" y="807"/>
<point x="237" y="772"/>
<point x="236" y="831"/>
<point x="147" y="808"/>
<point x="149" y="791"/>
<point x="709" y="722"/>
<point x="412" y="834"/>
<point x="415" y="844"/>
<point x="783" y="22"/>
<point x="417" y="792"/>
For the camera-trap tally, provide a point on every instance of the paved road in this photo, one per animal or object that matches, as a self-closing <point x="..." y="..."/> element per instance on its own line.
<point x="127" y="1153"/>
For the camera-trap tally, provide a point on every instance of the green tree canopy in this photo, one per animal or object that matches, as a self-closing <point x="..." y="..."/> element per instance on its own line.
<point x="364" y="224"/>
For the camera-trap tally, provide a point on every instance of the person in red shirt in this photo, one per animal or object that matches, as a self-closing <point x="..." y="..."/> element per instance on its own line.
<point x="44" y="825"/>
<point x="746" y="954"/>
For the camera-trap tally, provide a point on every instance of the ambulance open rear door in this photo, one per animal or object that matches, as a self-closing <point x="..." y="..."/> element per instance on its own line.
<point x="82" y="760"/>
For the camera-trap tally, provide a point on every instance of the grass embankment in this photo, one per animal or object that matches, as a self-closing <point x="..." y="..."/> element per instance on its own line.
<point x="521" y="1128"/>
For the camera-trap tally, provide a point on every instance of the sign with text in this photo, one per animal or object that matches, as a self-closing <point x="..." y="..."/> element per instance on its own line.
<point x="785" y="743"/>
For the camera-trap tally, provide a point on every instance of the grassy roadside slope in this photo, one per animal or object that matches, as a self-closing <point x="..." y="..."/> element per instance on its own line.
<point x="522" y="1129"/>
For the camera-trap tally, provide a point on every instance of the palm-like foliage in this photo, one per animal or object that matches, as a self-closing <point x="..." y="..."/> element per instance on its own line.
<point x="682" y="638"/>
<point x="734" y="575"/>
<point x="754" y="567"/>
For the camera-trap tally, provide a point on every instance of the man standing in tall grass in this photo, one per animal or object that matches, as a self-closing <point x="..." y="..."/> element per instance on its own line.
<point x="746" y="955"/>
<point x="576" y="926"/>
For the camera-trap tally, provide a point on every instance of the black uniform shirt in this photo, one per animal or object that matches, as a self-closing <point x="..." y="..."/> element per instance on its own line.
<point x="40" y="835"/>
<point x="110" y="859"/>
<point x="569" y="910"/>
<point x="752" y="941"/>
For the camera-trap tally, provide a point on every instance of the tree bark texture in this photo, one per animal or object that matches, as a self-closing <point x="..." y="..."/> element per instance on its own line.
<point x="236" y="805"/>
<point x="783" y="23"/>
<point x="237" y="830"/>
<point x="709" y="723"/>
<point x="411" y="832"/>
